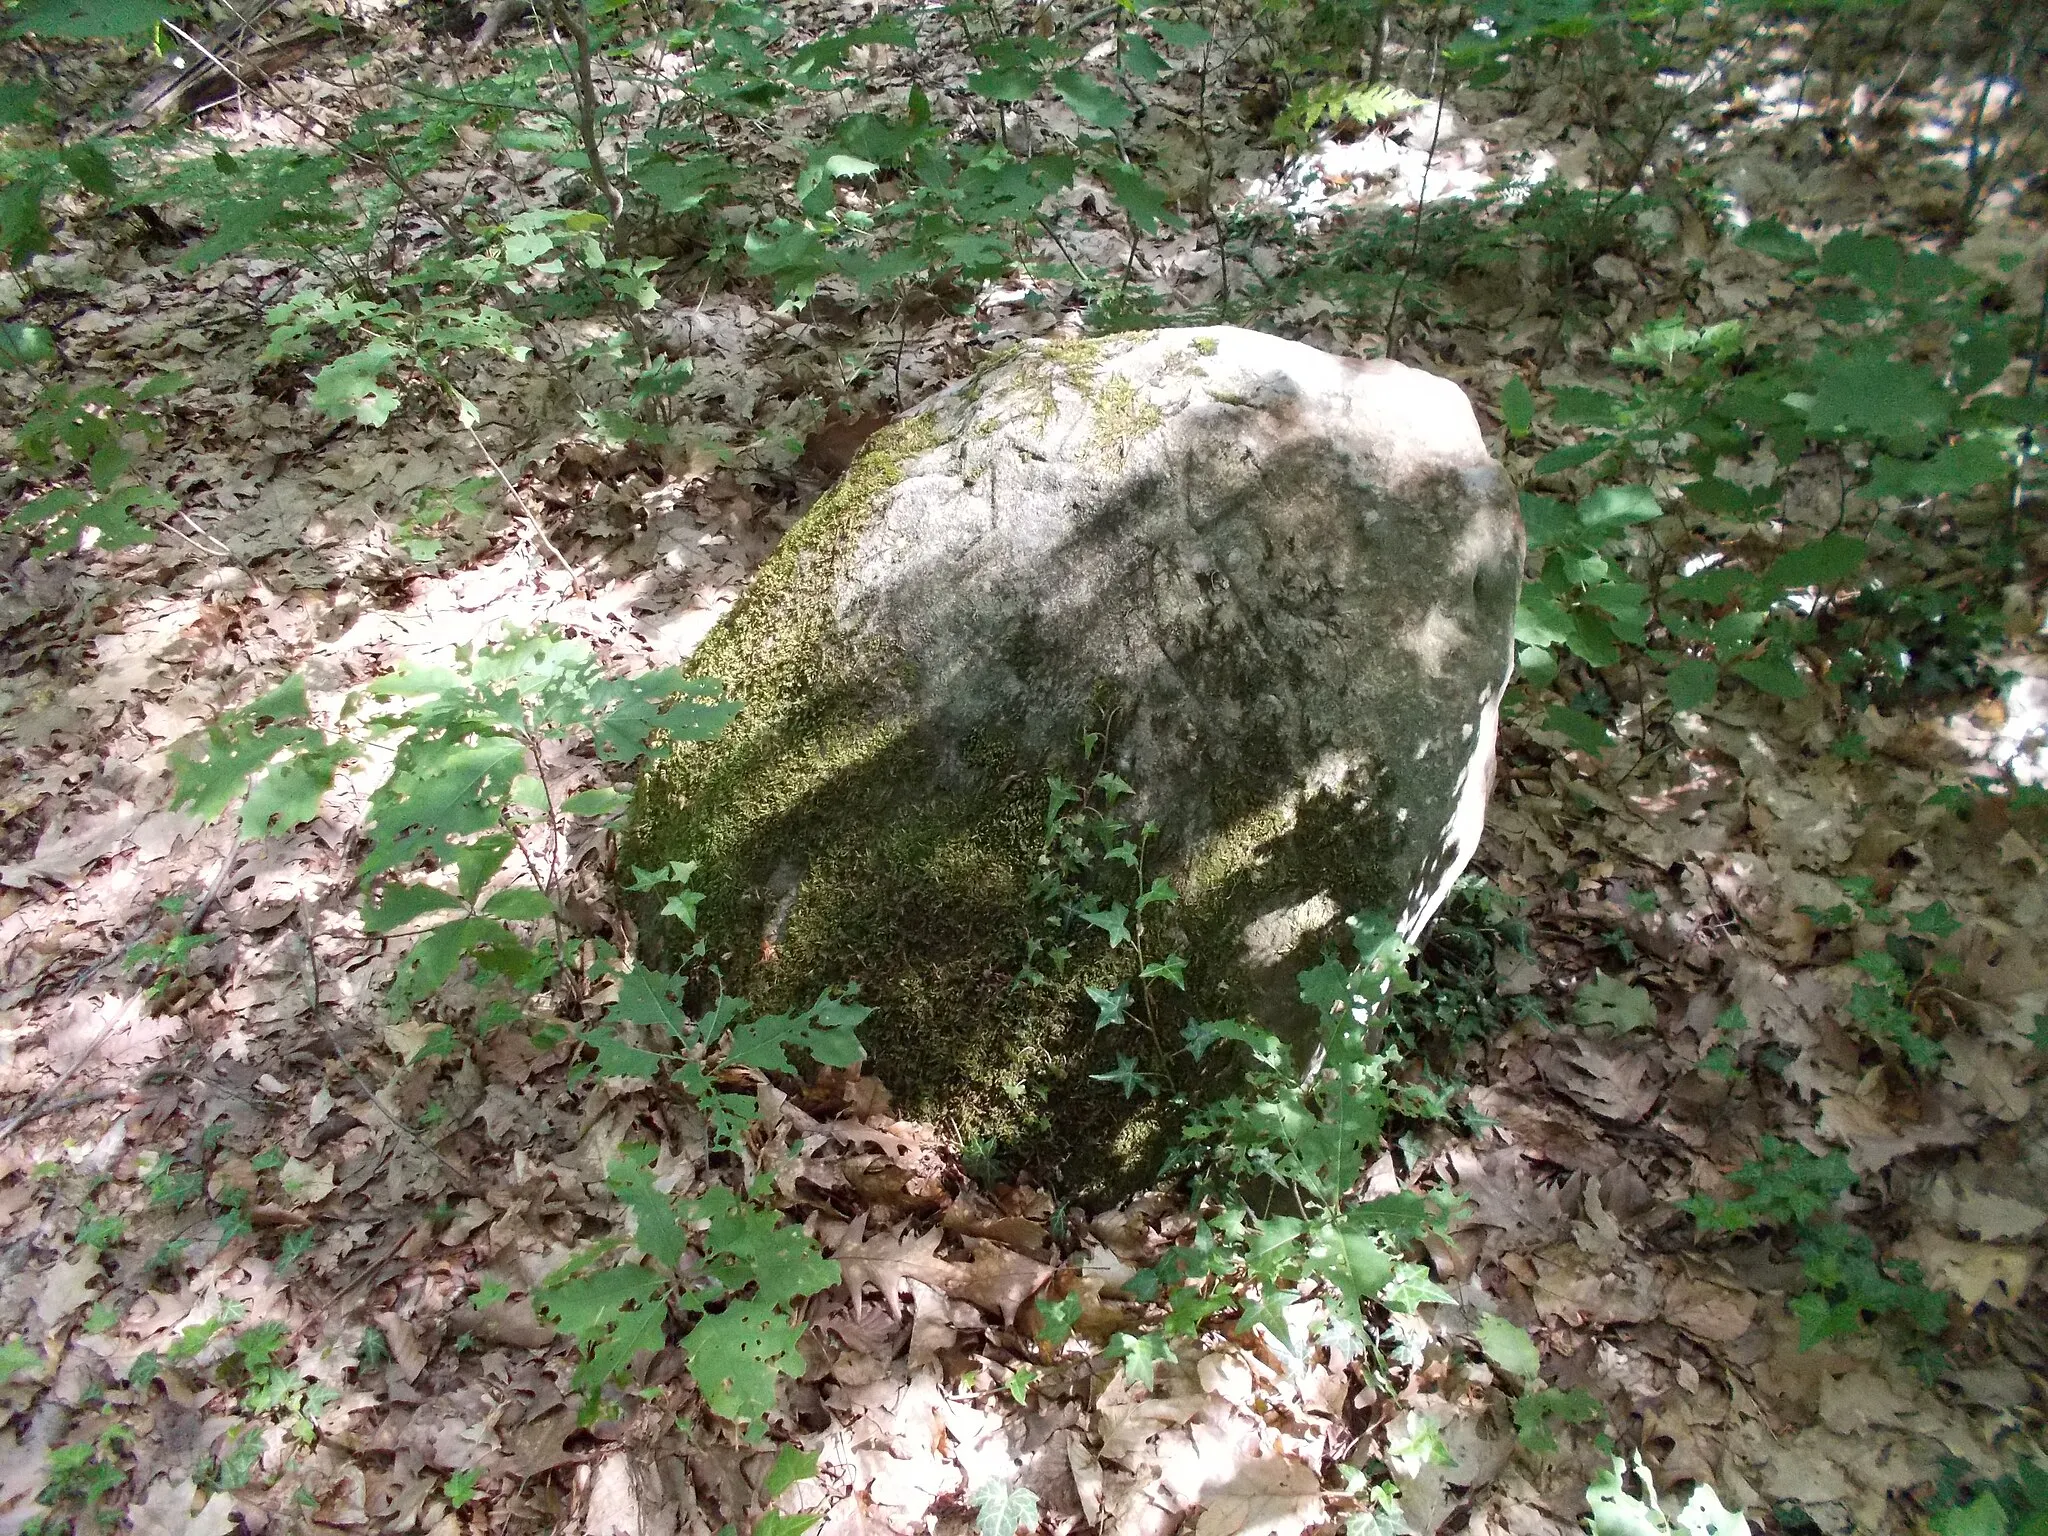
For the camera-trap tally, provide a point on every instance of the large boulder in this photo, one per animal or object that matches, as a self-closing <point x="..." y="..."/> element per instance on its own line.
<point x="1277" y="588"/>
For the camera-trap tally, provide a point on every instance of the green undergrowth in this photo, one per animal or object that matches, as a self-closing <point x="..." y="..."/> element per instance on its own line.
<point x="1685" y="558"/>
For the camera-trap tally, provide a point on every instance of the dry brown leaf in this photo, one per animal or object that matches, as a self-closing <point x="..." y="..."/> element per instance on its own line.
<point x="1000" y="1279"/>
<point x="624" y="1495"/>
<point x="1715" y="1310"/>
<point x="1268" y="1496"/>
<point x="887" y="1264"/>
<point x="168" y="1511"/>
<point x="1979" y="1273"/>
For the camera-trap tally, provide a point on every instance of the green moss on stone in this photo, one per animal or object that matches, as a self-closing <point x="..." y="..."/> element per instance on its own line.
<point x="839" y="841"/>
<point x="1121" y="414"/>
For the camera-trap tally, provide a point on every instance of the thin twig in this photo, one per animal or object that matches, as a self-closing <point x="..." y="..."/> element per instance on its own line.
<point x="376" y="162"/>
<point x="532" y="517"/>
<point x="1421" y="207"/>
<point x="462" y="1179"/>
<point x="43" y="1102"/>
<point x="58" y="1106"/>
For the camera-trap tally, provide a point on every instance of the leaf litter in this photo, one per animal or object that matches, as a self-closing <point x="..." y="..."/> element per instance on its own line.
<point x="399" y="1266"/>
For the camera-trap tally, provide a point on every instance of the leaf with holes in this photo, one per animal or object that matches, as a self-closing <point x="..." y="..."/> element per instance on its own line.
<point x="747" y="1244"/>
<point x="613" y="1313"/>
<point x="734" y="1357"/>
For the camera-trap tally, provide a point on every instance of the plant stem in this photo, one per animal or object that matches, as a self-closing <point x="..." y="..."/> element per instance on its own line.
<point x="569" y="16"/>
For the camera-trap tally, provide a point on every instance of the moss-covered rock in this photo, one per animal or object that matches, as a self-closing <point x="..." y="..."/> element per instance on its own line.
<point x="1278" y="584"/>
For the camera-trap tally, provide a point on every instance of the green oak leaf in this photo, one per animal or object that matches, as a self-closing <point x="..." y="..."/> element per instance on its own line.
<point x="735" y="1355"/>
<point x="825" y="1031"/>
<point x="1607" y="1002"/>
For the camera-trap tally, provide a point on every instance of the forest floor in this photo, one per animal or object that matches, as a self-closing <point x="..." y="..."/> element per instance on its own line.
<point x="384" y="1195"/>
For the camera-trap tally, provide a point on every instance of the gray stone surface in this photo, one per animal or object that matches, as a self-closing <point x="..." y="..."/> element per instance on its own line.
<point x="1288" y="580"/>
<point x="1298" y="570"/>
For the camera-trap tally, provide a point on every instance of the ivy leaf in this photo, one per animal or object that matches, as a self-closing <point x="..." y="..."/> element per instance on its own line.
<point x="1607" y="1002"/>
<point x="1056" y="1320"/>
<point x="1173" y="969"/>
<point x="1142" y="1356"/>
<point x="1161" y="890"/>
<point x="1111" y="922"/>
<point x="1125" y="1075"/>
<point x="675" y="872"/>
<point x="1510" y="1348"/>
<point x="1093" y="102"/>
<point x="734" y="1357"/>
<point x="1114" y="787"/>
<point x="1003" y="1509"/>
<point x="1109" y="1005"/>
